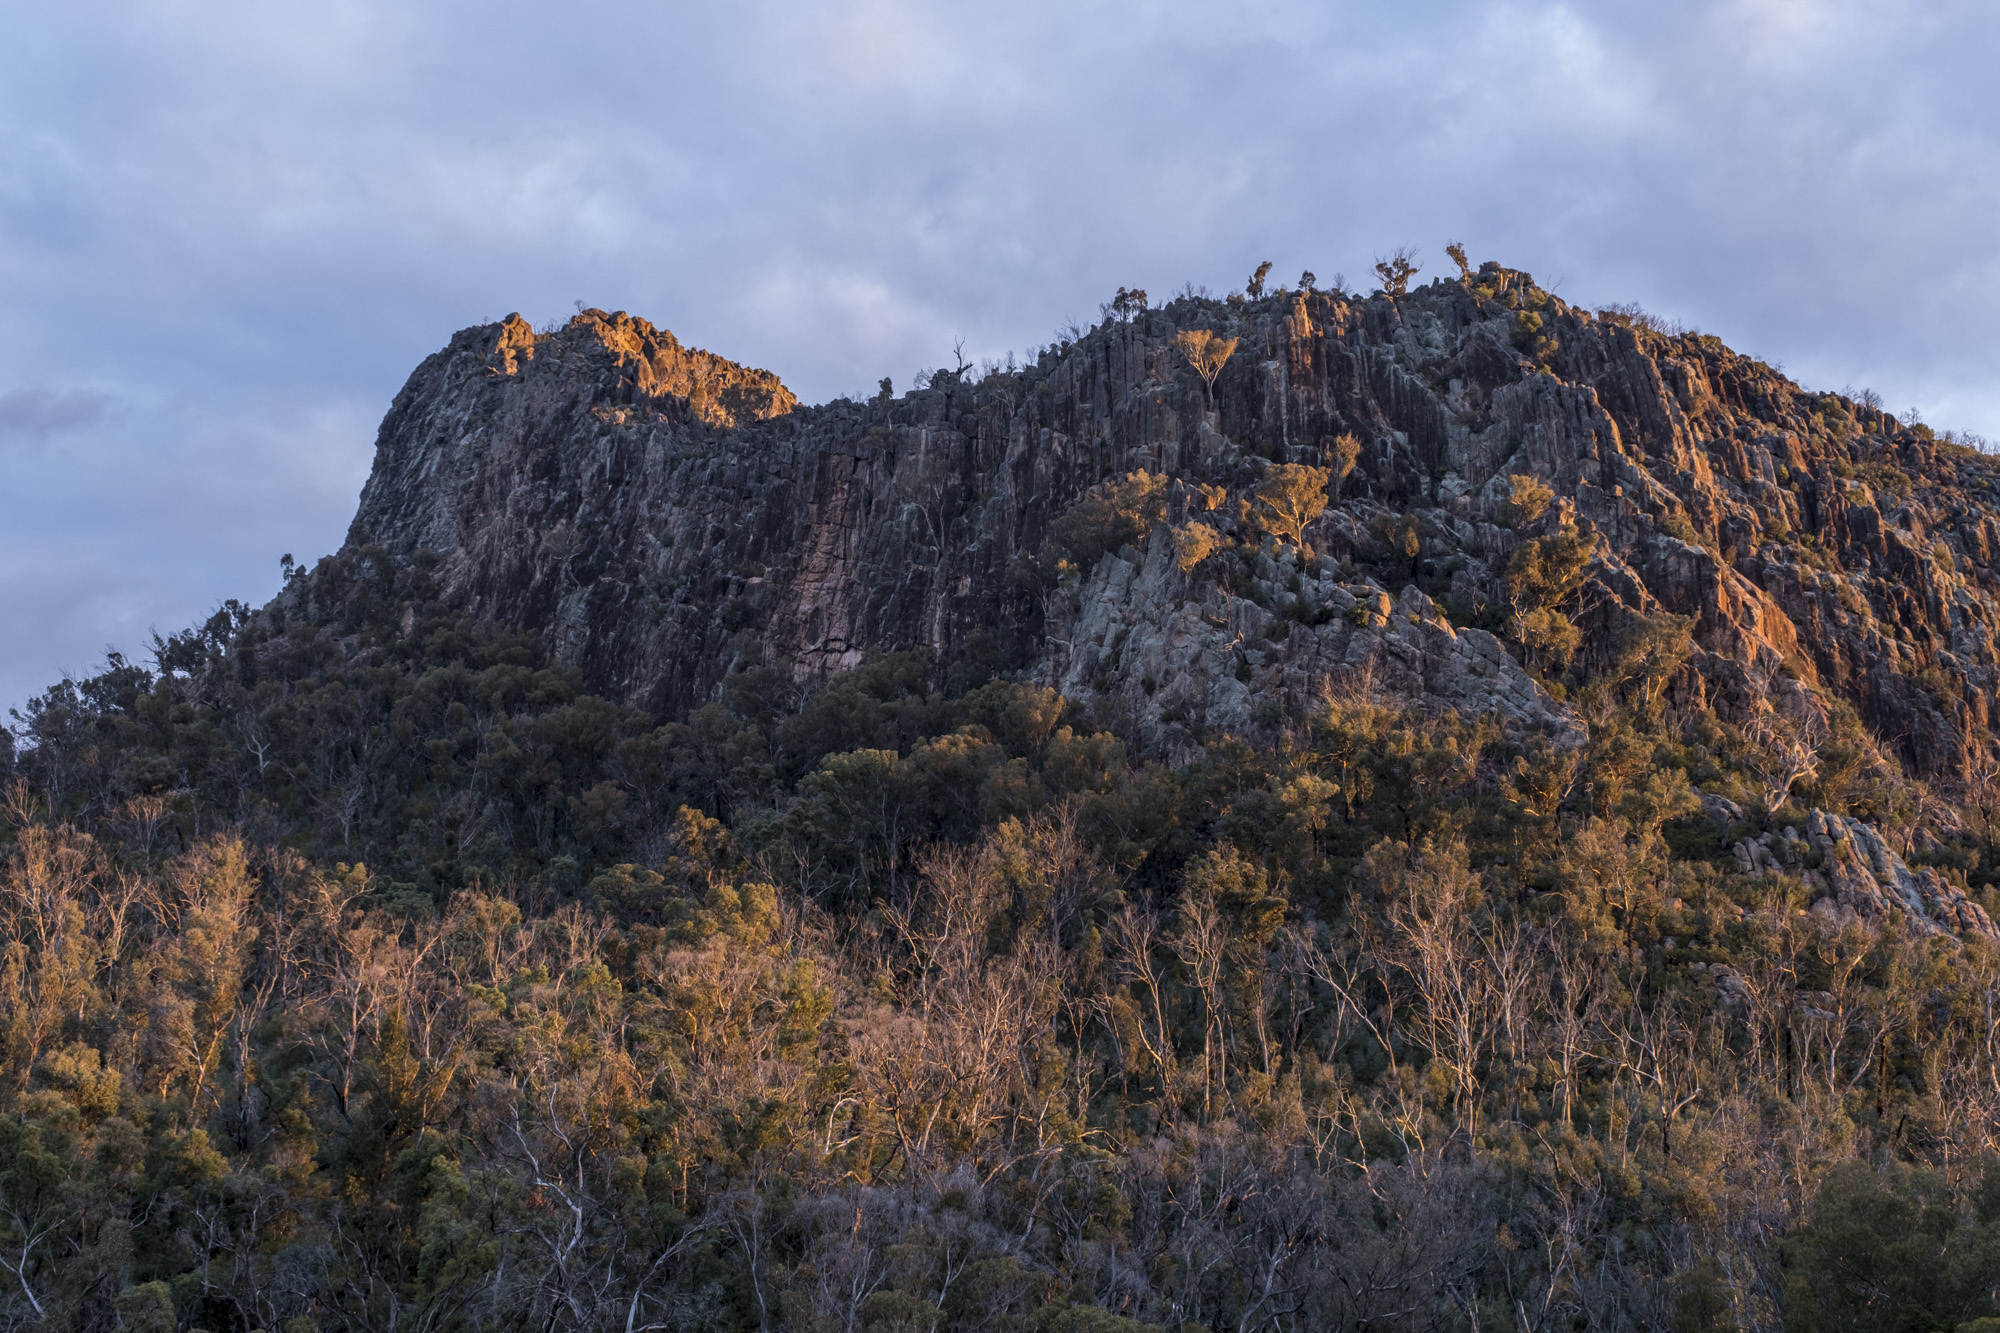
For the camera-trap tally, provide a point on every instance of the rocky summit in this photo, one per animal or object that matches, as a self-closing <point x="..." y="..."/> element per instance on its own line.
<point x="1503" y="495"/>
<point x="667" y="518"/>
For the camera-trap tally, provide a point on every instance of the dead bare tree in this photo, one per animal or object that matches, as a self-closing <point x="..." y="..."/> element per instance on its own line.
<point x="1201" y="942"/>
<point x="1784" y="749"/>
<point x="1437" y="952"/>
<point x="1139" y="1016"/>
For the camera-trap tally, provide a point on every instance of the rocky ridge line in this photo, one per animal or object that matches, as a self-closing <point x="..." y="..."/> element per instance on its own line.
<point x="668" y="519"/>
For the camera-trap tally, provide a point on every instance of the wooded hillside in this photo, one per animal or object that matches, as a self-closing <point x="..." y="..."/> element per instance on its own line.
<point x="1311" y="906"/>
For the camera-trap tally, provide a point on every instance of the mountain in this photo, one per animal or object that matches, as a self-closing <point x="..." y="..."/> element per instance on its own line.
<point x="1820" y="573"/>
<point x="1832" y="560"/>
<point x="1433" y="809"/>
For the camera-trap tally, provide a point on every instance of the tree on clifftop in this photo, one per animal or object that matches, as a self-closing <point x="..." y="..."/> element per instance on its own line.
<point x="1457" y="253"/>
<point x="1396" y="272"/>
<point x="1126" y="304"/>
<point x="1207" y="353"/>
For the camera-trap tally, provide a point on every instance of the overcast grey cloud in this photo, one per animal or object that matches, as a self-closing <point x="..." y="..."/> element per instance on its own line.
<point x="228" y="230"/>
<point x="32" y="415"/>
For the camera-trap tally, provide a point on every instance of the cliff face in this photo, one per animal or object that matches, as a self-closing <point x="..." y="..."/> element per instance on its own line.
<point x="668" y="518"/>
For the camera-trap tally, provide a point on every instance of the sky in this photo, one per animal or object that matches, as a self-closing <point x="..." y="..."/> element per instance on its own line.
<point x="229" y="229"/>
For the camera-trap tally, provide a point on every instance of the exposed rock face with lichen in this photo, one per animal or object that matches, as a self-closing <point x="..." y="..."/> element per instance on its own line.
<point x="1851" y="871"/>
<point x="668" y="518"/>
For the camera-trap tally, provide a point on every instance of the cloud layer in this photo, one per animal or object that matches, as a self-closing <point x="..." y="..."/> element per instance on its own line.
<point x="229" y="230"/>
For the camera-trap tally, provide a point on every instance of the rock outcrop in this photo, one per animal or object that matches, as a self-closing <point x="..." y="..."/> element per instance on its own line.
<point x="1852" y="871"/>
<point x="1243" y="661"/>
<point x="668" y="518"/>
